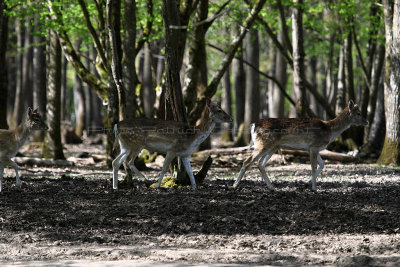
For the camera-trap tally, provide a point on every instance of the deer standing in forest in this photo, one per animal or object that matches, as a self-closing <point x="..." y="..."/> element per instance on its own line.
<point x="12" y="140"/>
<point x="174" y="138"/>
<point x="312" y="135"/>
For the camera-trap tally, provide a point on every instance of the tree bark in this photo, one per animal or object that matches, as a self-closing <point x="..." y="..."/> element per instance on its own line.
<point x="39" y="75"/>
<point x="18" y="110"/>
<point x="149" y="93"/>
<point x="3" y="70"/>
<point x="280" y="72"/>
<point x="298" y="58"/>
<point x="172" y="37"/>
<point x="239" y="82"/>
<point x="391" y="148"/>
<point x="53" y="147"/>
<point x="252" y="102"/>
<point x="129" y="46"/>
<point x="227" y="105"/>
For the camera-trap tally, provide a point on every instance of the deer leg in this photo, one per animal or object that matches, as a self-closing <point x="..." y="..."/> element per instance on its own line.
<point x="320" y="165"/>
<point x="12" y="164"/>
<point x="186" y="163"/>
<point x="1" y="175"/>
<point x="246" y="164"/>
<point x="168" y="158"/>
<point x="314" y="163"/>
<point x="261" y="166"/>
<point x="131" y="163"/>
<point x="117" y="163"/>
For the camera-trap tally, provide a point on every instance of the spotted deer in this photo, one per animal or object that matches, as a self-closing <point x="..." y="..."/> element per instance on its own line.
<point x="312" y="135"/>
<point x="176" y="139"/>
<point x="12" y="140"/>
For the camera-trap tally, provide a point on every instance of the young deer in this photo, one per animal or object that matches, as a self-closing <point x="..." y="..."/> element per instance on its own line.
<point x="313" y="135"/>
<point x="12" y="140"/>
<point x="174" y="138"/>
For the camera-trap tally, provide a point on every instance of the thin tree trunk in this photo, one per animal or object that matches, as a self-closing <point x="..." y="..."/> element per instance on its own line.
<point x="239" y="81"/>
<point x="53" y="147"/>
<point x="298" y="59"/>
<point x="280" y="72"/>
<point x="39" y="76"/>
<point x="3" y="70"/>
<point x="149" y="93"/>
<point x="227" y="105"/>
<point x="19" y="97"/>
<point x="129" y="45"/>
<point x="252" y="102"/>
<point x="341" y="87"/>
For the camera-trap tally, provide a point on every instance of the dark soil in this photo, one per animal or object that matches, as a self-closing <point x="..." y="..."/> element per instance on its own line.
<point x="353" y="219"/>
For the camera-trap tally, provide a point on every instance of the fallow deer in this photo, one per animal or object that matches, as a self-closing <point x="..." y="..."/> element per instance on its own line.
<point x="176" y="139"/>
<point x="12" y="140"/>
<point x="312" y="135"/>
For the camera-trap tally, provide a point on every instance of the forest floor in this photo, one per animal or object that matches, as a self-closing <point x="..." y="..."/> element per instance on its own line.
<point x="70" y="213"/>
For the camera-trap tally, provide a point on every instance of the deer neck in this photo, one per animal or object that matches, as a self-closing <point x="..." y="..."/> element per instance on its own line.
<point x="202" y="132"/>
<point x="339" y="124"/>
<point x="205" y="129"/>
<point x="22" y="132"/>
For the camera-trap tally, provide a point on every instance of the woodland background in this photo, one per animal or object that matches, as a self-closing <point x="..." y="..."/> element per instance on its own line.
<point x="89" y="64"/>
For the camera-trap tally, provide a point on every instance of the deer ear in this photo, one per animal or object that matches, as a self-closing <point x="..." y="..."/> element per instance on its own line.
<point x="208" y="101"/>
<point x="351" y="104"/>
<point x="29" y="111"/>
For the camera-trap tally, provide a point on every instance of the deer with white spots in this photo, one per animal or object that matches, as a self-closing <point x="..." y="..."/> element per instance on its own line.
<point x="12" y="140"/>
<point x="312" y="135"/>
<point x="175" y="139"/>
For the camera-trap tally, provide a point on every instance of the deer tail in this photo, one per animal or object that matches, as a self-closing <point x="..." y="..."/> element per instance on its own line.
<point x="253" y="135"/>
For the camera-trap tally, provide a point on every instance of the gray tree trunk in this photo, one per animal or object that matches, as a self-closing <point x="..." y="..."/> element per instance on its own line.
<point x="3" y="70"/>
<point x="391" y="148"/>
<point x="149" y="93"/>
<point x="39" y="76"/>
<point x="252" y="102"/>
<point x="341" y="87"/>
<point x="277" y="107"/>
<point x="18" y="110"/>
<point x="129" y="68"/>
<point x="53" y="147"/>
<point x="239" y="81"/>
<point x="298" y="58"/>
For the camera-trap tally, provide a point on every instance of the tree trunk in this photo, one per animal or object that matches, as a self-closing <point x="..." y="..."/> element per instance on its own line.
<point x="277" y="107"/>
<point x="18" y="110"/>
<point x="227" y="105"/>
<point x="172" y="36"/>
<point x="3" y="70"/>
<point x="149" y="92"/>
<point x="53" y="147"/>
<point x="252" y="102"/>
<point x="391" y="148"/>
<point x="298" y="58"/>
<point x="341" y="87"/>
<point x="39" y="76"/>
<point x="27" y="66"/>
<point x="239" y="82"/>
<point x="131" y="80"/>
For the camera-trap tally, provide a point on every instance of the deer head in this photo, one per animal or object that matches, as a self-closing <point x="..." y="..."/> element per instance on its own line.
<point x="217" y="114"/>
<point x="35" y="121"/>
<point x="355" y="114"/>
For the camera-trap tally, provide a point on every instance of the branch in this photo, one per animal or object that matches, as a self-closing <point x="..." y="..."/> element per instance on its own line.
<point x="92" y="31"/>
<point x="289" y="98"/>
<point x="213" y="85"/>
<point x="70" y="53"/>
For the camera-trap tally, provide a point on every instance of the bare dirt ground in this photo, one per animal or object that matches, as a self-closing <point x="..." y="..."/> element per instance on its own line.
<point x="58" y="215"/>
